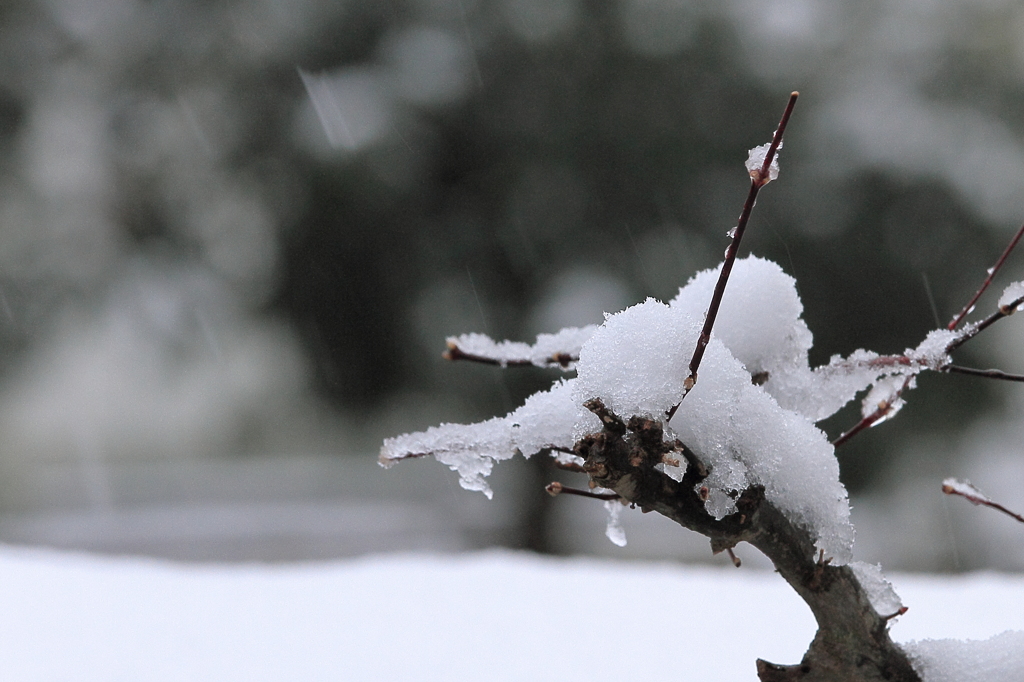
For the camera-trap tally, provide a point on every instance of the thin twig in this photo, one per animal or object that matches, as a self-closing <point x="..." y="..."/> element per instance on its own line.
<point x="758" y="179"/>
<point x="899" y="612"/>
<point x="987" y="373"/>
<point x="453" y="352"/>
<point x="964" y="489"/>
<point x="870" y="420"/>
<point x="973" y="330"/>
<point x="557" y="488"/>
<point x="988" y="280"/>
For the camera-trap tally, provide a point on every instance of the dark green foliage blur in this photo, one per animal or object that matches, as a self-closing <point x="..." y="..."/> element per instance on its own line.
<point x="568" y="155"/>
<point x="558" y="157"/>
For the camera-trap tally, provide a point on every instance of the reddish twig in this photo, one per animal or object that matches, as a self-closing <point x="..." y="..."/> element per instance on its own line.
<point x="963" y="337"/>
<point x="557" y="488"/>
<point x="987" y="373"/>
<point x="988" y="280"/>
<point x="973" y="330"/>
<point x="758" y="179"/>
<point x="964" y="489"/>
<point x="899" y="612"/>
<point x="870" y="420"/>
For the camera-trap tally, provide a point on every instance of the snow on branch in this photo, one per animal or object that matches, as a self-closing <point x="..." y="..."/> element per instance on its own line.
<point x="966" y="310"/>
<point x="755" y="467"/>
<point x="549" y="350"/>
<point x="953" y="486"/>
<point x="546" y="421"/>
<point x="1012" y="299"/>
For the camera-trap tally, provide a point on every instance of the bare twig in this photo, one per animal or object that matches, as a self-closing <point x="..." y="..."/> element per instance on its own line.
<point x="899" y="612"/>
<point x="988" y="280"/>
<point x="557" y="488"/>
<point x="758" y="179"/>
<point x="964" y="489"/>
<point x="973" y="330"/>
<point x="987" y="373"/>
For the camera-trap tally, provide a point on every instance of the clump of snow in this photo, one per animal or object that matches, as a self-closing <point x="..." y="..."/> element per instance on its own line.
<point x="636" y="362"/>
<point x="614" y="529"/>
<point x="953" y="486"/>
<point x="755" y="161"/>
<point x="998" y="659"/>
<point x="818" y="393"/>
<point x="885" y="397"/>
<point x="543" y="353"/>
<point x="469" y="449"/>
<point x="746" y="438"/>
<point x="760" y="317"/>
<point x="1011" y="294"/>
<point x="760" y="322"/>
<point x="931" y="352"/>
<point x="821" y="392"/>
<point x="880" y="591"/>
<point x="750" y="417"/>
<point x="545" y="420"/>
<point x="567" y="458"/>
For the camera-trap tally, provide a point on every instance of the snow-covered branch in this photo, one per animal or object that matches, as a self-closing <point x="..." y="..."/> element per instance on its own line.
<point x="966" y="490"/>
<point x="549" y="350"/>
<point x="741" y="458"/>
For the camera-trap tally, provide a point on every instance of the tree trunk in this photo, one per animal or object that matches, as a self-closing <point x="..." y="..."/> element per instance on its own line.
<point x="852" y="642"/>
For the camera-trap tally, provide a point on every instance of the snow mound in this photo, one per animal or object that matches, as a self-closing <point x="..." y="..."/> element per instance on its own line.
<point x="636" y="362"/>
<point x="998" y="659"/>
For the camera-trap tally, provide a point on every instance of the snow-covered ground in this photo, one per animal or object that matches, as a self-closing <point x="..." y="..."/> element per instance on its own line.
<point x="480" y="617"/>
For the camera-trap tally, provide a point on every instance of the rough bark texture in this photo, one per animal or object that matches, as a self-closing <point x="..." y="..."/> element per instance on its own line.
<point x="852" y="642"/>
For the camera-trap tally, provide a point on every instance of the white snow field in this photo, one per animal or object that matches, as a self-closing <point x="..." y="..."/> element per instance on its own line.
<point x="474" y="617"/>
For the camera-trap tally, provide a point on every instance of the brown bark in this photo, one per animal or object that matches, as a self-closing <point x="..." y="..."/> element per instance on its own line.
<point x="852" y="642"/>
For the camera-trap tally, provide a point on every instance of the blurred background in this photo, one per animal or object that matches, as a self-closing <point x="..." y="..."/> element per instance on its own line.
<point x="234" y="236"/>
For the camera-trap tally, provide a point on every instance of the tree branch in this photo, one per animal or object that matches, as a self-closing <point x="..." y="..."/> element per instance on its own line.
<point x="973" y="330"/>
<point x="987" y="373"/>
<point x="853" y="640"/>
<point x="988" y="280"/>
<point x="555" y="489"/>
<point x="453" y="352"/>
<point x="883" y="411"/>
<point x="962" y="337"/>
<point x="964" y="489"/>
<point x="758" y="179"/>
